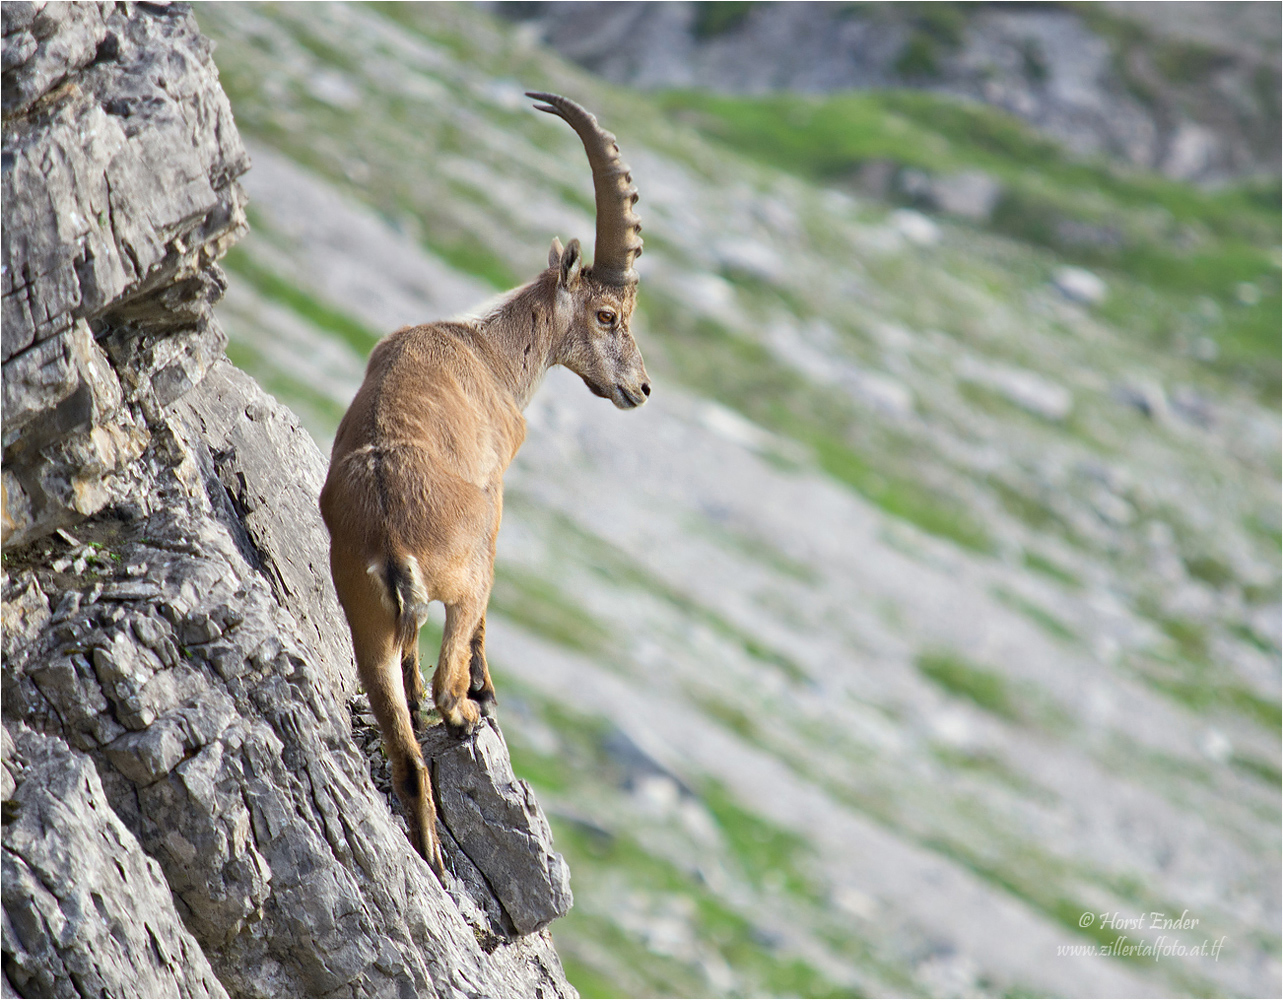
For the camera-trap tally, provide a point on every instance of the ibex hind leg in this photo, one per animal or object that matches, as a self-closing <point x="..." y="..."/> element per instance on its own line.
<point x="410" y="598"/>
<point x="451" y="682"/>
<point x="412" y="676"/>
<point x="378" y="655"/>
<point x="413" y="786"/>
<point x="481" y="687"/>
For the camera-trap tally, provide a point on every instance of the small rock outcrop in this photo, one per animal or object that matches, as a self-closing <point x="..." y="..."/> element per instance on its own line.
<point x="186" y="809"/>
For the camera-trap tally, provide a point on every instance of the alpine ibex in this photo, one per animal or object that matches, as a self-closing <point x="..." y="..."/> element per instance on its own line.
<point x="415" y="488"/>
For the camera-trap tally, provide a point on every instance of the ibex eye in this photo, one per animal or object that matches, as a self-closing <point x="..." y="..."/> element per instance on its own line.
<point x="605" y="317"/>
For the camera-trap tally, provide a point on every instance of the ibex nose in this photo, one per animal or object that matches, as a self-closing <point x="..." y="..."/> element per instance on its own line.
<point x="645" y="388"/>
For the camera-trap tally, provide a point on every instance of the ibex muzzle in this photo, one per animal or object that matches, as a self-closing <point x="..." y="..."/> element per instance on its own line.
<point x="414" y="493"/>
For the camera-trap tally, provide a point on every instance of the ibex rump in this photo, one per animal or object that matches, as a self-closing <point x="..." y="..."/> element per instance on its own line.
<point x="414" y="494"/>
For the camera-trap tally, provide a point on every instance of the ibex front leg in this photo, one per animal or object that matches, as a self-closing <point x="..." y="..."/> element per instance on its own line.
<point x="461" y="687"/>
<point x="481" y="687"/>
<point x="453" y="679"/>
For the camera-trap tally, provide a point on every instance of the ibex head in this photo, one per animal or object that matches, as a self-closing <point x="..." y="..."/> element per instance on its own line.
<point x="594" y="304"/>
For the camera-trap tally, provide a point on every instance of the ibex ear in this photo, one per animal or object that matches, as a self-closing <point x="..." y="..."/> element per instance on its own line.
<point x="571" y="264"/>
<point x="554" y="255"/>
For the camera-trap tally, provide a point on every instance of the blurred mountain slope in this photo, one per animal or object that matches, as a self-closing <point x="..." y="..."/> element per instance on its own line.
<point x="1189" y="89"/>
<point x="931" y="603"/>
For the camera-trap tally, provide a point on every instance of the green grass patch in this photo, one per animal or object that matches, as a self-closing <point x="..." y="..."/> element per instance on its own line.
<point x="318" y="411"/>
<point x="1266" y="771"/>
<point x="587" y="981"/>
<point x="540" y="606"/>
<point x="902" y="497"/>
<point x="1200" y="685"/>
<point x="430" y="636"/>
<point x="1049" y="568"/>
<point x="992" y="766"/>
<point x="545" y="772"/>
<point x="1253" y="638"/>
<point x="272" y="286"/>
<point x="735" y="719"/>
<point x="718" y="18"/>
<point x="580" y="759"/>
<point x="981" y="687"/>
<point x="1035" y="512"/>
<point x="718" y="926"/>
<point x="1210" y="570"/>
<point x="769" y="854"/>
<point x="1266" y="712"/>
<point x="464" y="252"/>
<point x="760" y="550"/>
<point x="1190" y="638"/>
<point x="1037" y="614"/>
<point x="1014" y="701"/>
<point x="630" y="968"/>
<point x="990" y="401"/>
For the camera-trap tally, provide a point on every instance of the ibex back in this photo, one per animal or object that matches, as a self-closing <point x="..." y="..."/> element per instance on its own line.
<point x="415" y="488"/>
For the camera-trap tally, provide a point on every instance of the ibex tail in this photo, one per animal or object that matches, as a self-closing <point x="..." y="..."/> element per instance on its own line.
<point x="409" y="598"/>
<point x="409" y="603"/>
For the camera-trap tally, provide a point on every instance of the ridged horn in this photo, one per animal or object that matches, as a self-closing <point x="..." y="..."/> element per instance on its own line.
<point x="618" y="242"/>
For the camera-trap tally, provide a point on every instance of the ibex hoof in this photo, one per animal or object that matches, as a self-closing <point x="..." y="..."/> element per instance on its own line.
<point x="429" y="849"/>
<point x="461" y="718"/>
<point x="461" y="730"/>
<point x="436" y="862"/>
<point x="418" y="718"/>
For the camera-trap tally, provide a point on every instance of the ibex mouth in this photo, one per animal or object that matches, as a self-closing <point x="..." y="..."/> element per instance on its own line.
<point x="629" y="399"/>
<point x="621" y="395"/>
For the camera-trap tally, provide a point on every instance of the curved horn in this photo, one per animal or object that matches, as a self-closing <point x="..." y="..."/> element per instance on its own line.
<point x="618" y="244"/>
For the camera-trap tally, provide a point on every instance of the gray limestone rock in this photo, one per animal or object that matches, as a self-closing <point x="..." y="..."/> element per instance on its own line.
<point x="496" y="821"/>
<point x="87" y="913"/>
<point x="120" y="181"/>
<point x="120" y="160"/>
<point x="278" y="513"/>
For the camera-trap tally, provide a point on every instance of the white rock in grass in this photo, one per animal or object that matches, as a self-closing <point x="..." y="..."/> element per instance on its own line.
<point x="1216" y="746"/>
<point x="883" y="392"/>
<point x="1028" y="390"/>
<point x="1080" y="285"/>
<point x="336" y="89"/>
<point x="915" y="227"/>
<point x="730" y="426"/>
<point x="971" y="194"/>
<point x="751" y="258"/>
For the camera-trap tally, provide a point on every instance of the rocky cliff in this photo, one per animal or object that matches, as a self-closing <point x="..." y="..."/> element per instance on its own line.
<point x="194" y="801"/>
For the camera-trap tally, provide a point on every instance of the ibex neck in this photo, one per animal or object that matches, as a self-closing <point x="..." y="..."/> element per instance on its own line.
<point x="520" y="336"/>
